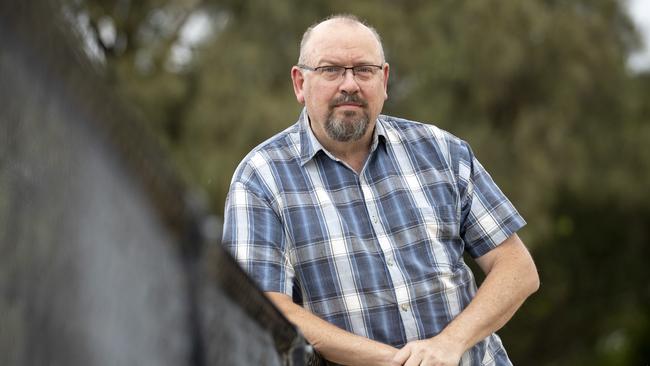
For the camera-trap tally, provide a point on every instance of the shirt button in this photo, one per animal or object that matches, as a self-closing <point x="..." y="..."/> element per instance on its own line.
<point x="374" y="219"/>
<point x="390" y="262"/>
<point x="405" y="307"/>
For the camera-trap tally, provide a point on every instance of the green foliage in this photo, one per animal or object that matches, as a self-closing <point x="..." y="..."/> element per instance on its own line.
<point x="539" y="88"/>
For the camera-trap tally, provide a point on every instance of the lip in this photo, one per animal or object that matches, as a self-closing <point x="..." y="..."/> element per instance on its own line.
<point x="348" y="105"/>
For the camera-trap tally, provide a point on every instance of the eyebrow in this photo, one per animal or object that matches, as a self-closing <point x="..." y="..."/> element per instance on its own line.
<point x="333" y="63"/>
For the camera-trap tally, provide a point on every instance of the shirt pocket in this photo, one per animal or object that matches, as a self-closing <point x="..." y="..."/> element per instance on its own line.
<point x="440" y="222"/>
<point x="440" y="227"/>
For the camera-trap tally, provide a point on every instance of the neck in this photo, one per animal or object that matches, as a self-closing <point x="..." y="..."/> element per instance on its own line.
<point x="352" y="153"/>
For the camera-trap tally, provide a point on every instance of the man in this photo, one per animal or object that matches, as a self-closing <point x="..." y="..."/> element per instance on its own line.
<point x="355" y="223"/>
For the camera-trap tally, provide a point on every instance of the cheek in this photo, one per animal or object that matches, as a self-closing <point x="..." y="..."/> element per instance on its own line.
<point x="318" y="97"/>
<point x="316" y="104"/>
<point x="378" y="97"/>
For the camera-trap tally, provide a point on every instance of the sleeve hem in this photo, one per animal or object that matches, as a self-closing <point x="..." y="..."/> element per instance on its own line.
<point x="497" y="238"/>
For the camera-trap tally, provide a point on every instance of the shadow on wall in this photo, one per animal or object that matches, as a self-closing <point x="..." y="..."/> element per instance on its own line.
<point x="104" y="259"/>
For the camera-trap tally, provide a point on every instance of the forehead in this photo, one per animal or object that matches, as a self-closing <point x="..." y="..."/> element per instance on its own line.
<point x="343" y="42"/>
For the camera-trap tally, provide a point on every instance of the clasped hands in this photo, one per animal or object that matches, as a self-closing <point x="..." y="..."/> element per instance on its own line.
<point x="436" y="351"/>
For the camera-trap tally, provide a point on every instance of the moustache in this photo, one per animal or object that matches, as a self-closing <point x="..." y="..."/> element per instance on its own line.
<point x="348" y="98"/>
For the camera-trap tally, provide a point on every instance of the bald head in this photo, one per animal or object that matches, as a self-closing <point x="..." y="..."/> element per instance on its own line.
<point x="320" y="29"/>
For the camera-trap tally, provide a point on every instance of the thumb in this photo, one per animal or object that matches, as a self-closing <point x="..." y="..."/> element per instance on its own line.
<point x="402" y="355"/>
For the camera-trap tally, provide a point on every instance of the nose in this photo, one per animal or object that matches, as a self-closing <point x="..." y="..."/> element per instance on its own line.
<point x="349" y="83"/>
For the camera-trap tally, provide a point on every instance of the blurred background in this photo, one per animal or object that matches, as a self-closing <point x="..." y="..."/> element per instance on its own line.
<point x="553" y="96"/>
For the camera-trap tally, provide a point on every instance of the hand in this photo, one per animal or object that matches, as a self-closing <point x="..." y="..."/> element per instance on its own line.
<point x="436" y="351"/>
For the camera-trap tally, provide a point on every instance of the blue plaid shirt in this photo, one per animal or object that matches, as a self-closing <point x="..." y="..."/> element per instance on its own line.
<point x="379" y="253"/>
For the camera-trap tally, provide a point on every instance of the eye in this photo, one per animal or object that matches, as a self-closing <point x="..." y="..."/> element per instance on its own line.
<point x="364" y="70"/>
<point x="330" y="69"/>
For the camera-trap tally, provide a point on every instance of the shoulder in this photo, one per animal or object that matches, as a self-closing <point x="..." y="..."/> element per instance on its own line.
<point x="280" y="149"/>
<point x="426" y="138"/>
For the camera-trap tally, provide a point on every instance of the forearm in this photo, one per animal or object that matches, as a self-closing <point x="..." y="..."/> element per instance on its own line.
<point x="333" y="343"/>
<point x="511" y="278"/>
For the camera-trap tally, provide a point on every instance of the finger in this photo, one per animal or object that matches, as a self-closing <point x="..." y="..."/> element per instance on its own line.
<point x="413" y="360"/>
<point x="402" y="355"/>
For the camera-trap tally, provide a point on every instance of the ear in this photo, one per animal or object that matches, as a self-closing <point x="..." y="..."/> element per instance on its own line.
<point x="298" y="83"/>
<point x="386" y="72"/>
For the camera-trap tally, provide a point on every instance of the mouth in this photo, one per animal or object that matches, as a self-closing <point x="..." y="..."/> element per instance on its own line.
<point x="344" y="105"/>
<point x="349" y="101"/>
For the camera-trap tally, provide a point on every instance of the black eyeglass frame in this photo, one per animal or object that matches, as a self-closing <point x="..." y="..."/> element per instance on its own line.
<point x="344" y="69"/>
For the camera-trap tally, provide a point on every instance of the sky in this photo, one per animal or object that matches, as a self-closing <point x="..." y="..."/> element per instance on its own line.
<point x="640" y="12"/>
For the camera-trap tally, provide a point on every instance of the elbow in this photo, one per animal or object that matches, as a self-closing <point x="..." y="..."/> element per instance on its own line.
<point x="533" y="282"/>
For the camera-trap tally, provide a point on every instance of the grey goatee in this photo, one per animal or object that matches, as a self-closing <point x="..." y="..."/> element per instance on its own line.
<point x="352" y="125"/>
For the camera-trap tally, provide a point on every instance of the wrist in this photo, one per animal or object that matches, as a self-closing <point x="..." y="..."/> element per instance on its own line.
<point x="385" y="355"/>
<point x="452" y="343"/>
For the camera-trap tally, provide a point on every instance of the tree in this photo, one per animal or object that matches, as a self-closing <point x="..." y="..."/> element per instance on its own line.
<point x="539" y="88"/>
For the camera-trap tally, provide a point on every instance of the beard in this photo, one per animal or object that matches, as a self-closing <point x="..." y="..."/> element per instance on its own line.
<point x="352" y="125"/>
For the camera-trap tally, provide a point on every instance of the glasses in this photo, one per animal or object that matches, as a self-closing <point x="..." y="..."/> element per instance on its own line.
<point x="334" y="72"/>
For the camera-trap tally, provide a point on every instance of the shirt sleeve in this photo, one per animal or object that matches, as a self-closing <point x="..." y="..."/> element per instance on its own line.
<point x="487" y="217"/>
<point x="254" y="235"/>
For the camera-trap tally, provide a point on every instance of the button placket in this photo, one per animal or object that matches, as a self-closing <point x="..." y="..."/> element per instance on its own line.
<point x="402" y="297"/>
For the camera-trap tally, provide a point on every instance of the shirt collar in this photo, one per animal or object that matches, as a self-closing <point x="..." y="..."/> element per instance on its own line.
<point x="310" y="146"/>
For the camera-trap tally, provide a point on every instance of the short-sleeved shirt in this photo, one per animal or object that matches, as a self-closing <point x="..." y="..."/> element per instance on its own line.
<point x="378" y="253"/>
